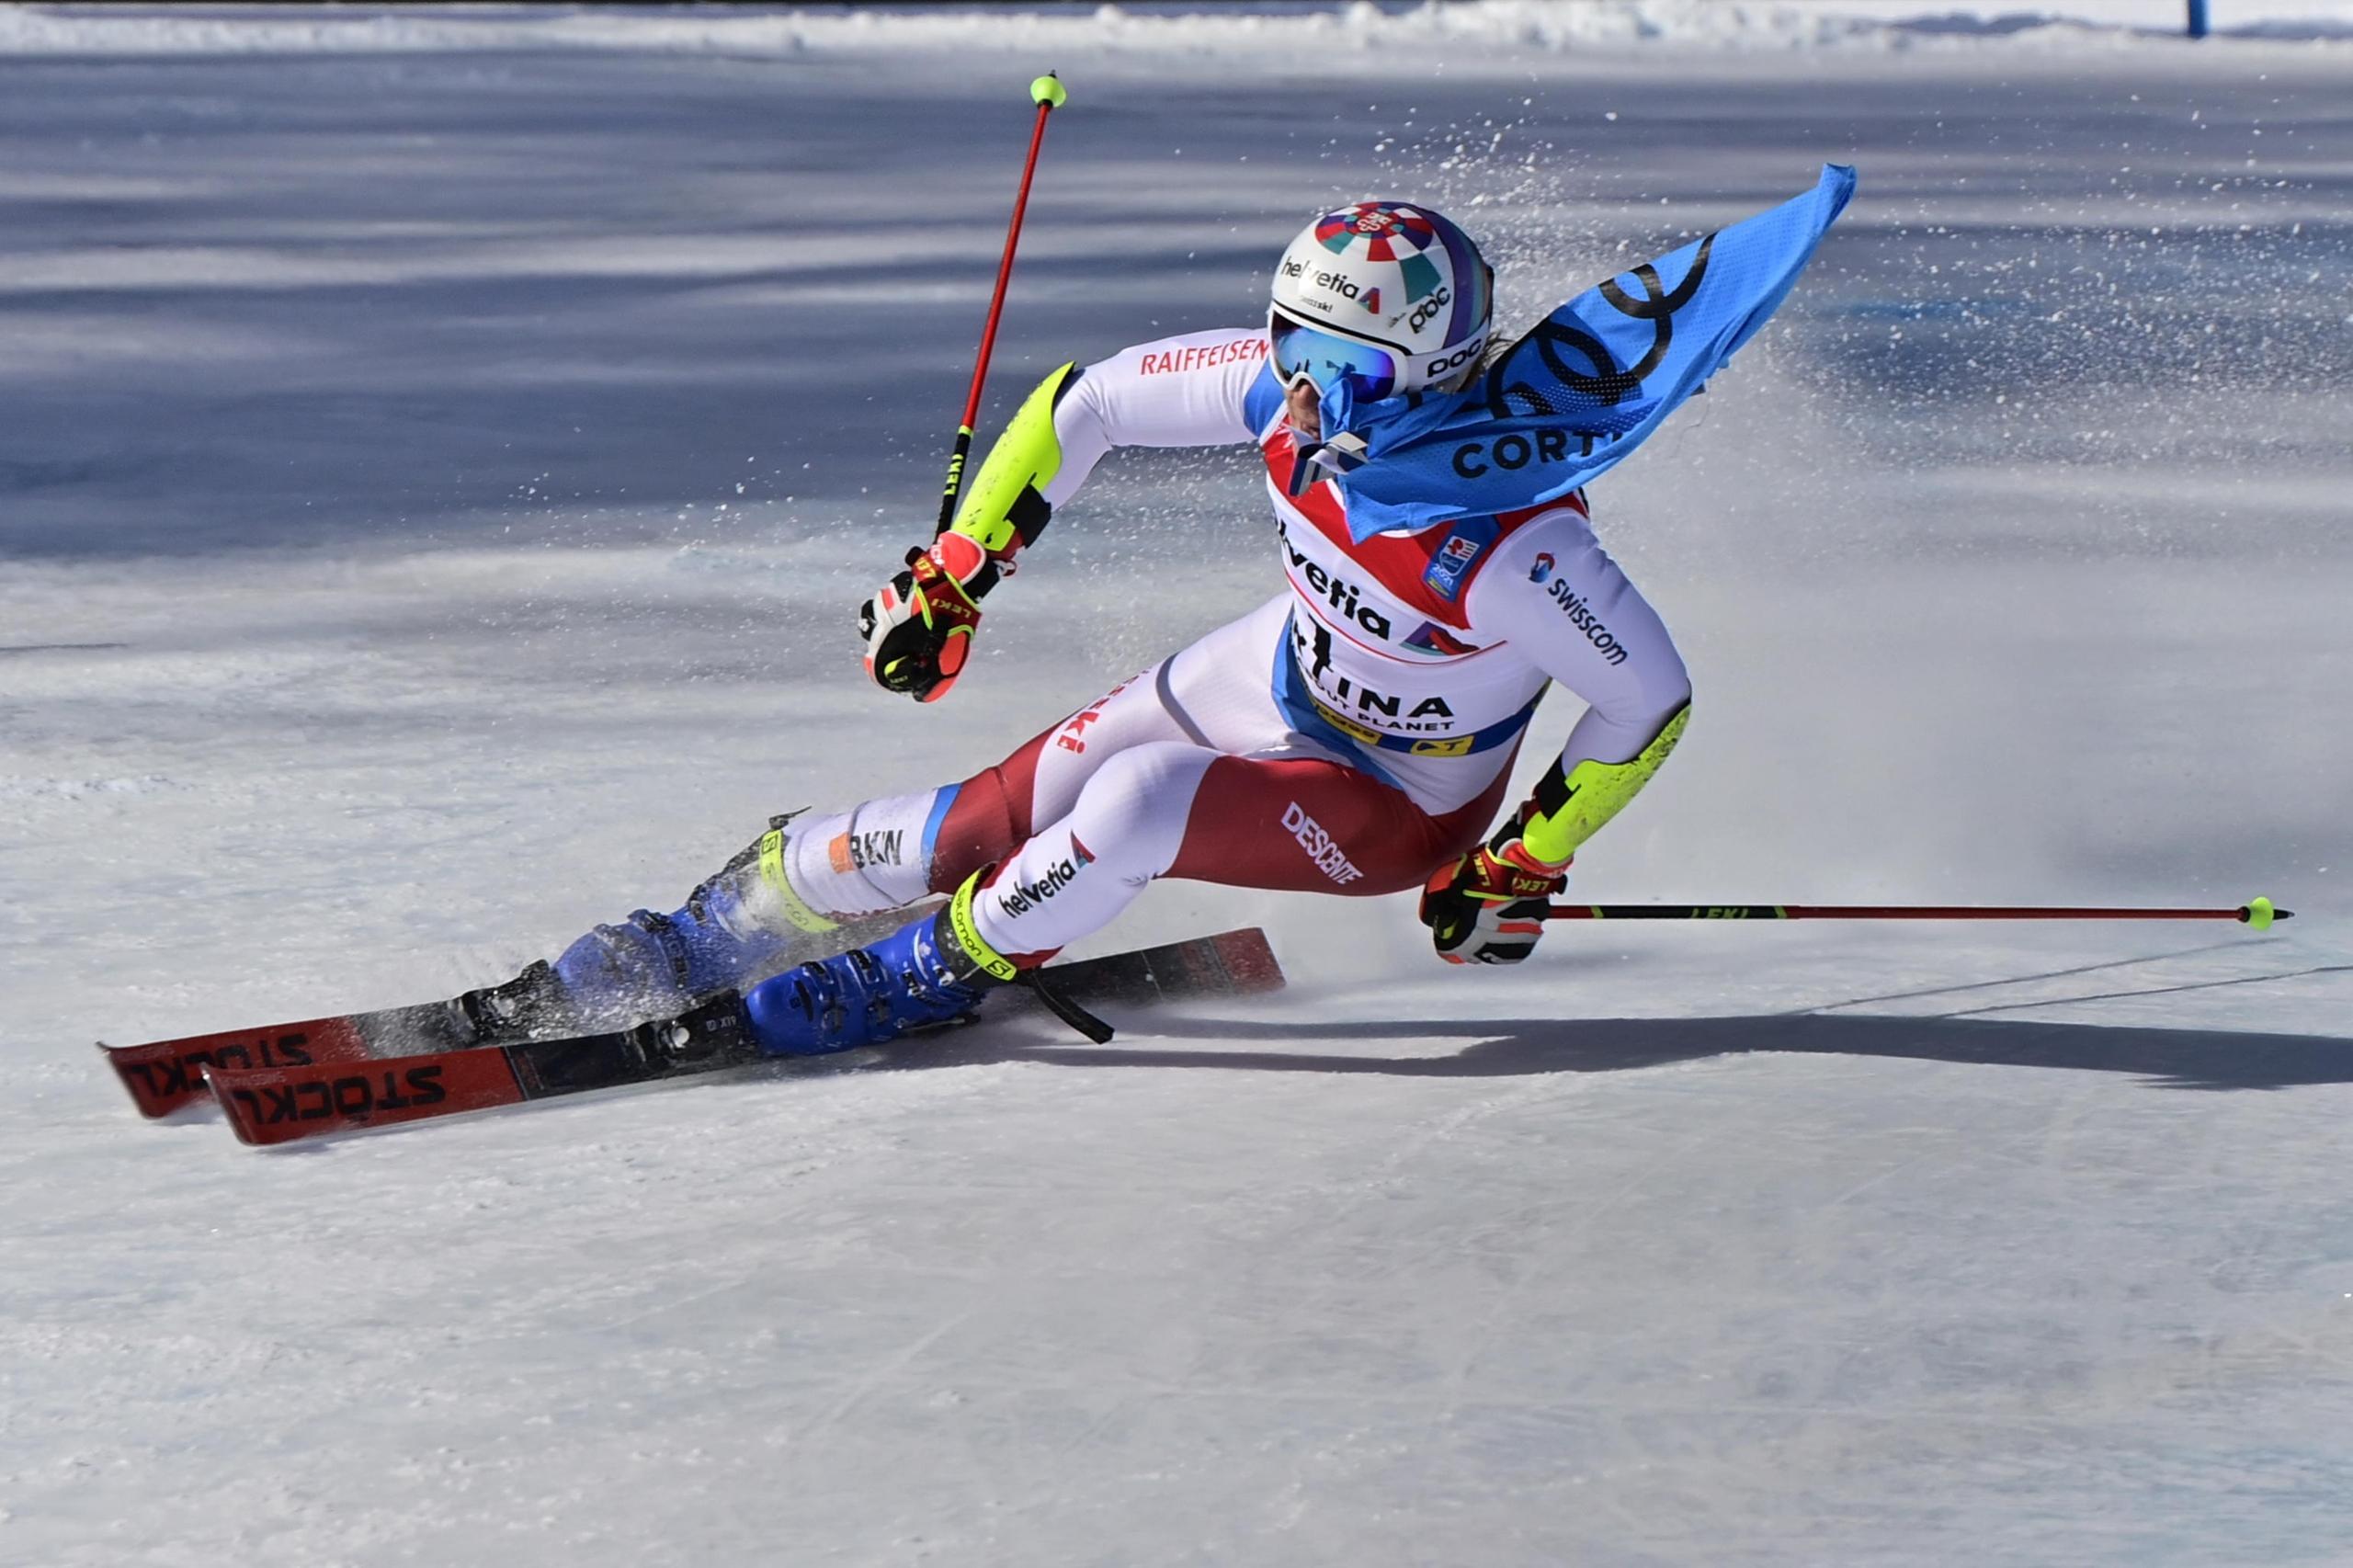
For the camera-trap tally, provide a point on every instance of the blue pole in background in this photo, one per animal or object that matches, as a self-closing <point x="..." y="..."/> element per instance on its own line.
<point x="2196" y="19"/>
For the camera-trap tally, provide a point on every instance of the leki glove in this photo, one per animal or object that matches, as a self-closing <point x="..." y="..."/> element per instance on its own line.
<point x="1489" y="906"/>
<point x="919" y="628"/>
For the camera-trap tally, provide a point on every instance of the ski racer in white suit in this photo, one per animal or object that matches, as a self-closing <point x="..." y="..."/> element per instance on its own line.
<point x="1352" y="734"/>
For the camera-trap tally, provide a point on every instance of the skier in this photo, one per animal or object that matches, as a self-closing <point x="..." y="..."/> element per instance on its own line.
<point x="1355" y="732"/>
<point x="1353" y="735"/>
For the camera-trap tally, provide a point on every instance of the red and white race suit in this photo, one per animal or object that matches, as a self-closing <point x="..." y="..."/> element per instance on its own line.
<point x="1349" y="735"/>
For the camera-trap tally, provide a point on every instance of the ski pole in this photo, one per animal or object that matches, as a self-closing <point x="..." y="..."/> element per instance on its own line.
<point x="1047" y="92"/>
<point x="2258" y="913"/>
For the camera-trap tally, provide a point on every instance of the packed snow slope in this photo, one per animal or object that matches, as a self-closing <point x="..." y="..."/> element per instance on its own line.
<point x="441" y="452"/>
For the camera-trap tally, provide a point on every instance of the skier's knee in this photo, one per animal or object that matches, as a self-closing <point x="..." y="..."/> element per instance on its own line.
<point x="1144" y="782"/>
<point x="1134" y="809"/>
<point x="1143" y="778"/>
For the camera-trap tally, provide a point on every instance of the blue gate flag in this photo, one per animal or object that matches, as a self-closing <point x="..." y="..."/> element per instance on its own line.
<point x="1580" y="392"/>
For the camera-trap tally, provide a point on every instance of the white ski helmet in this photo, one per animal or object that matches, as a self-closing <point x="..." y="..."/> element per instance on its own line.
<point x="1392" y="276"/>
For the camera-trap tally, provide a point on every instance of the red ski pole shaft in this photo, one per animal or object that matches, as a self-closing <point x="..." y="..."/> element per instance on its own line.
<point x="1047" y="92"/>
<point x="2258" y="913"/>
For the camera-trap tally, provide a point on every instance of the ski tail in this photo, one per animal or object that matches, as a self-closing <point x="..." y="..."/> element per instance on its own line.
<point x="279" y="1104"/>
<point x="1232" y="963"/>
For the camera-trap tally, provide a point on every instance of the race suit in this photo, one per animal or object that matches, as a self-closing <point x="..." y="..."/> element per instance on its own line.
<point x="1349" y="735"/>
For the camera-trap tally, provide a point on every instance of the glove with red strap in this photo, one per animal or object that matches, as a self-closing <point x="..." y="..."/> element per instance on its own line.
<point x="1489" y="906"/>
<point x="919" y="628"/>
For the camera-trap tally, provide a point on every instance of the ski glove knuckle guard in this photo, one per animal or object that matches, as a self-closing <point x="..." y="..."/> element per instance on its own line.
<point x="1490" y="906"/>
<point x="919" y="627"/>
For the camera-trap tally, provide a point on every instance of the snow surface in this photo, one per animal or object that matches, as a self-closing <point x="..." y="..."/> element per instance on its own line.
<point x="440" y="453"/>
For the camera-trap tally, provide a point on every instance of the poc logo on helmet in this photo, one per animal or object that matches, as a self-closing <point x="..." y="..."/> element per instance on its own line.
<point x="1456" y="360"/>
<point x="1428" y="308"/>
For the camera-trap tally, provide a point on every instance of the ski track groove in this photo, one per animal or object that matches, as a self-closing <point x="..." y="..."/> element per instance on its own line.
<point x="2154" y="991"/>
<point x="2012" y="980"/>
<point x="879" y="1373"/>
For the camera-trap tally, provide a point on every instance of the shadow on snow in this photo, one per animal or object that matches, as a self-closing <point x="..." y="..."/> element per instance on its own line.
<point x="1504" y="1048"/>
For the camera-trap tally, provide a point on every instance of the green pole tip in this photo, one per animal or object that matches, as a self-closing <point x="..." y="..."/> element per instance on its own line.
<point x="2260" y="913"/>
<point x="1048" y="90"/>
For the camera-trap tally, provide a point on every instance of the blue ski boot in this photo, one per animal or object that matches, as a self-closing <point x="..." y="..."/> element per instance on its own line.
<point x="928" y="972"/>
<point x="744" y="922"/>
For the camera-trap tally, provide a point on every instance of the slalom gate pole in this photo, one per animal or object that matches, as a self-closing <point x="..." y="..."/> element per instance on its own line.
<point x="1047" y="92"/>
<point x="2257" y="913"/>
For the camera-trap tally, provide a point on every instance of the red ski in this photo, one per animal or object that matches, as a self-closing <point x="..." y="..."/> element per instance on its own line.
<point x="279" y="1103"/>
<point x="165" y="1075"/>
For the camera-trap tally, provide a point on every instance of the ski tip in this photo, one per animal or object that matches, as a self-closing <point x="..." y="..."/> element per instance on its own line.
<point x="158" y="1085"/>
<point x="212" y="1078"/>
<point x="163" y="1075"/>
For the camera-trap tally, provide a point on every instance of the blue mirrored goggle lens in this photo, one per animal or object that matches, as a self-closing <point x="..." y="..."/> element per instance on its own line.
<point x="1325" y="357"/>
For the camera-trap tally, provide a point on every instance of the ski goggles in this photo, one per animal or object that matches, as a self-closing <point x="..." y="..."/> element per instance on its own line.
<point x="1301" y="353"/>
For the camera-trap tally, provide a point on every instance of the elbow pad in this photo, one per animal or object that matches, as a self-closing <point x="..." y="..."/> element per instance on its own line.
<point x="1570" y="808"/>
<point x="1006" y="508"/>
